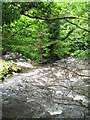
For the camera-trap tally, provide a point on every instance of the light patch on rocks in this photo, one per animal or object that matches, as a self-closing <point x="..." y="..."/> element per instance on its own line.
<point x="78" y="97"/>
<point x="24" y="64"/>
<point x="55" y="112"/>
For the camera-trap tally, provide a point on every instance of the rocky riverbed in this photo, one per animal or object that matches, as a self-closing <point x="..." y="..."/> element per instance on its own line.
<point x="57" y="90"/>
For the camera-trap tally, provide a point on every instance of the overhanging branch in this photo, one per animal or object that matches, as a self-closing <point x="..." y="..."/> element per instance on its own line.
<point x="58" y="18"/>
<point x="77" y="26"/>
<point x="41" y="18"/>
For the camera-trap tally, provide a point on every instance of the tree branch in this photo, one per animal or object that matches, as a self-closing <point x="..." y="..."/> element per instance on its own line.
<point x="60" y="18"/>
<point x="77" y="26"/>
<point x="41" y="18"/>
<point x="68" y="34"/>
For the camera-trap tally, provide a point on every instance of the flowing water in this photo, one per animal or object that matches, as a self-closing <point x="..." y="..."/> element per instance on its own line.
<point x="57" y="90"/>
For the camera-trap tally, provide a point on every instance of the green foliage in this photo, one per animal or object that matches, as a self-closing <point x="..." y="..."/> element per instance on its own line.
<point x="9" y="13"/>
<point x="7" y="69"/>
<point x="81" y="53"/>
<point x="61" y="49"/>
<point x="45" y="40"/>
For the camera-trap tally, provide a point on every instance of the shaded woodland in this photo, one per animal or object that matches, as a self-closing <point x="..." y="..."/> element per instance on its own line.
<point x="46" y="31"/>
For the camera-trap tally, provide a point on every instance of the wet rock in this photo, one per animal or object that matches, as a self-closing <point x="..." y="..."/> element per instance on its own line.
<point x="51" y="91"/>
<point x="24" y="64"/>
<point x="14" y="56"/>
<point x="85" y="72"/>
<point x="21" y="60"/>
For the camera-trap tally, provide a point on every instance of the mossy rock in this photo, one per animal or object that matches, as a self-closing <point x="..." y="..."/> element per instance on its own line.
<point x="86" y="81"/>
<point x="7" y="70"/>
<point x="14" y="68"/>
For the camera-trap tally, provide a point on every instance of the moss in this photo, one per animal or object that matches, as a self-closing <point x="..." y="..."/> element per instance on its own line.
<point x="86" y="80"/>
<point x="7" y="69"/>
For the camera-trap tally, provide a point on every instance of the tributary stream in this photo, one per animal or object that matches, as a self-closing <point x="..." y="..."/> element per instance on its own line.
<point x="57" y="90"/>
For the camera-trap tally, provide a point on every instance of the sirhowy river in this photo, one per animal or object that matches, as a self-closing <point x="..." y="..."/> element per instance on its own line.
<point x="57" y="90"/>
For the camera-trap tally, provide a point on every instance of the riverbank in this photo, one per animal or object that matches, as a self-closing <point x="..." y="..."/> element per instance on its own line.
<point x="9" y="68"/>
